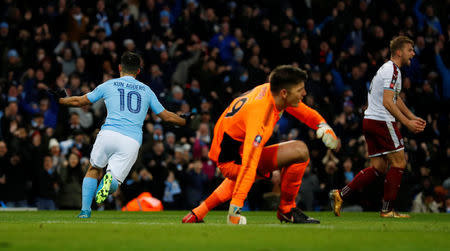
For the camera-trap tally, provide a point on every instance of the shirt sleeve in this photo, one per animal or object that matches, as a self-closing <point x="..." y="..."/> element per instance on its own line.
<point x="97" y="93"/>
<point x="306" y="115"/>
<point x="253" y="145"/>
<point x="155" y="105"/>
<point x="390" y="77"/>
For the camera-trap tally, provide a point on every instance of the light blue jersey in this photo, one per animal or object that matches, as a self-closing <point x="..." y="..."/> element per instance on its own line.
<point x="127" y="101"/>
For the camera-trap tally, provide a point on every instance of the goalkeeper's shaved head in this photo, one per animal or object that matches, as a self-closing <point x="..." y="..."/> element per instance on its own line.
<point x="285" y="76"/>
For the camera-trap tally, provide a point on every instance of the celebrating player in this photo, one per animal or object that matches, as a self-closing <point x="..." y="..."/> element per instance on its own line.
<point x="127" y="102"/>
<point x="238" y="146"/>
<point x="384" y="142"/>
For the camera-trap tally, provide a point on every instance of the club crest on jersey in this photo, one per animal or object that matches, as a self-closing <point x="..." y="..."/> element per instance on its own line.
<point x="257" y="140"/>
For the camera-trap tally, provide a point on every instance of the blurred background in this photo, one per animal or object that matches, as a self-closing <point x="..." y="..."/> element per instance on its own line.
<point x="197" y="56"/>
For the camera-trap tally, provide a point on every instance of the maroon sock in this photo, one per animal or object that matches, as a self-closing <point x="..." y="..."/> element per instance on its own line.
<point x="363" y="178"/>
<point x="391" y="186"/>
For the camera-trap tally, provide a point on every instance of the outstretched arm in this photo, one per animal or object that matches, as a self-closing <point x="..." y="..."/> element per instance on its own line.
<point x="75" y="101"/>
<point x="420" y="17"/>
<point x="171" y="117"/>
<point x="315" y="121"/>
<point x="307" y="115"/>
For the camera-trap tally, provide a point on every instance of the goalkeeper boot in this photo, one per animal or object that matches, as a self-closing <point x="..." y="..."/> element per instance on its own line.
<point x="84" y="214"/>
<point x="393" y="214"/>
<point x="295" y="216"/>
<point x="336" y="202"/>
<point x="191" y="217"/>
<point x="103" y="188"/>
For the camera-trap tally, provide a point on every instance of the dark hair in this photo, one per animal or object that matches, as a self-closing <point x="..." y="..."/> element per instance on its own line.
<point x="285" y="76"/>
<point x="130" y="62"/>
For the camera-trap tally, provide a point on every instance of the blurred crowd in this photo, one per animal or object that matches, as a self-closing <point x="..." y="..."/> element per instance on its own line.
<point x="197" y="56"/>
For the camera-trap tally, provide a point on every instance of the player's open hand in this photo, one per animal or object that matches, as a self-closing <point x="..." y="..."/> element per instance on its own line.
<point x="328" y="136"/>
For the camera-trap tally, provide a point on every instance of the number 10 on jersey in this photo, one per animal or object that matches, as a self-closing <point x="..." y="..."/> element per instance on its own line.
<point x="130" y="97"/>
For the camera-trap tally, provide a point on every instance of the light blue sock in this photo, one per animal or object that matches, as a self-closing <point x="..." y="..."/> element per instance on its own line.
<point x="114" y="186"/>
<point x="88" y="192"/>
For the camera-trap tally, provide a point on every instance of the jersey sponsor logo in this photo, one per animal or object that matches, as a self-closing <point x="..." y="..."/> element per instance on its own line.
<point x="257" y="140"/>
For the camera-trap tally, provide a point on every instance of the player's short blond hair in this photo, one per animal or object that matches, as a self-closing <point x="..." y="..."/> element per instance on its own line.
<point x="398" y="43"/>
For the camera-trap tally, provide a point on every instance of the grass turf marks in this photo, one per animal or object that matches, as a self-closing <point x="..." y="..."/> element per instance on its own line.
<point x="114" y="230"/>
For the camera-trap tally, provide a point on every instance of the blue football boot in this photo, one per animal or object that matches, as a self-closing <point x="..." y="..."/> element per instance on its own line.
<point x="84" y="214"/>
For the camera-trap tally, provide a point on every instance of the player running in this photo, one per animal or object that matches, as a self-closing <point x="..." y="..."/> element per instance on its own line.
<point x="238" y="146"/>
<point x="117" y="144"/>
<point x="384" y="142"/>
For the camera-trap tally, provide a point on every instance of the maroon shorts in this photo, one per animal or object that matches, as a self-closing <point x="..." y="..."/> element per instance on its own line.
<point x="382" y="137"/>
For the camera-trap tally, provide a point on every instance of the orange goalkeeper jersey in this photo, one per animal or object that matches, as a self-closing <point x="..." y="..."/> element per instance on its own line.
<point x="244" y="128"/>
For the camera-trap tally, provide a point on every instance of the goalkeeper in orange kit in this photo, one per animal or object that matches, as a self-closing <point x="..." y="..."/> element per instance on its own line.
<point x="238" y="146"/>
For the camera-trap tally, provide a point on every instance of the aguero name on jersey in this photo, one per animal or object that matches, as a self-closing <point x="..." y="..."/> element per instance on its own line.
<point x="127" y="101"/>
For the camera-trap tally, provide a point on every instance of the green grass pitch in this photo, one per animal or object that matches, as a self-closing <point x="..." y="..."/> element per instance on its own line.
<point x="113" y="230"/>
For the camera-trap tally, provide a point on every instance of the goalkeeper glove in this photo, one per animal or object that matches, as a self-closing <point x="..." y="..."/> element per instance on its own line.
<point x="327" y="134"/>
<point x="235" y="217"/>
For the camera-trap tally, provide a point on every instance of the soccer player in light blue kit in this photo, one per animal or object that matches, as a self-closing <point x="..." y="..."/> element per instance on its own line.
<point x="117" y="144"/>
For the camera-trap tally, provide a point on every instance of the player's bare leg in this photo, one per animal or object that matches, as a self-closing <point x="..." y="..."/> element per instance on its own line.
<point x="397" y="163"/>
<point x="378" y="166"/>
<point x="93" y="172"/>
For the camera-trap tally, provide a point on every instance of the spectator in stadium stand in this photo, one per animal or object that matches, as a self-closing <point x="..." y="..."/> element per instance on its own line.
<point x="225" y="42"/>
<point x="3" y="164"/>
<point x="9" y="115"/>
<point x="427" y="19"/>
<point x="55" y="151"/>
<point x="47" y="185"/>
<point x="195" y="184"/>
<point x="309" y="190"/>
<point x="71" y="177"/>
<point x="47" y="107"/>
<point x="5" y="45"/>
<point x="172" y="192"/>
<point x="443" y="70"/>
<point x="16" y="182"/>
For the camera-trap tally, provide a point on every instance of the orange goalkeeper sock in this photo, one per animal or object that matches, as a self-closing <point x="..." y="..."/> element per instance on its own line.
<point x="291" y="179"/>
<point x="222" y="194"/>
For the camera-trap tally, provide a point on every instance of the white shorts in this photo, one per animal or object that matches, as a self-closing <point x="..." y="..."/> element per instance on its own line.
<point x="117" y="151"/>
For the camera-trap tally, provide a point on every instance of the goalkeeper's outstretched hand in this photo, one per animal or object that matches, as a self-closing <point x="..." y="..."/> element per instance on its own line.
<point x="327" y="134"/>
